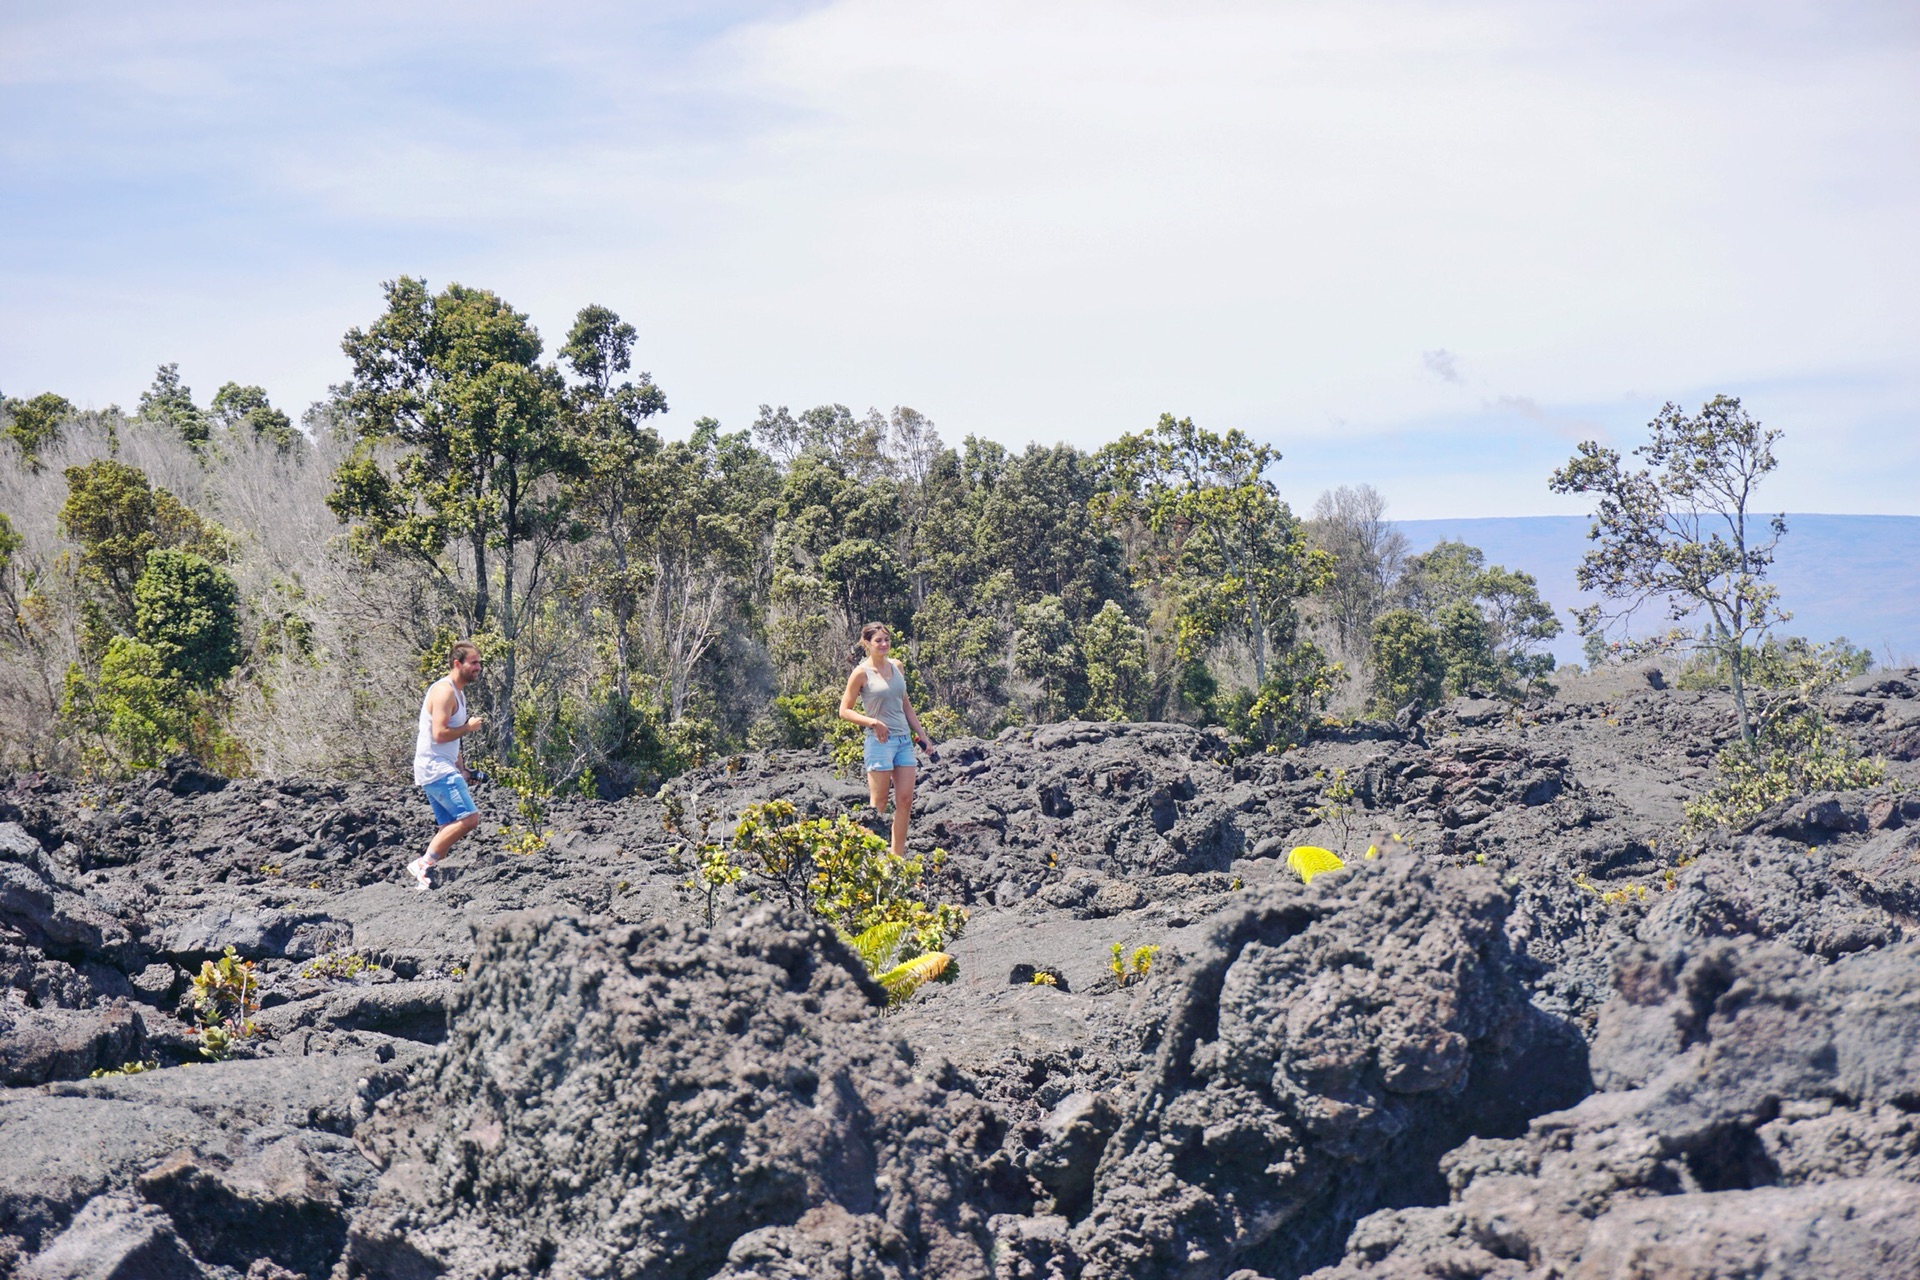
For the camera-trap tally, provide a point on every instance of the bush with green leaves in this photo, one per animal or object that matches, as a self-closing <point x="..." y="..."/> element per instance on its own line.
<point x="135" y="711"/>
<point x="1466" y="648"/>
<point x="1408" y="665"/>
<point x="188" y="609"/>
<point x="119" y="518"/>
<point x="1778" y="662"/>
<point x="1795" y="752"/>
<point x="1794" y="749"/>
<point x="1115" y="650"/>
<point x="833" y="868"/>
<point x="225" y="996"/>
<point x="802" y="719"/>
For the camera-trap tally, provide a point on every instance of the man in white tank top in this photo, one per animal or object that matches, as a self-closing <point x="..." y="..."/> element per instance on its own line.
<point x="437" y="768"/>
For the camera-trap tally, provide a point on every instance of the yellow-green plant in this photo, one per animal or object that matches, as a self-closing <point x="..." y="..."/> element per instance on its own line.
<point x="226" y="995"/>
<point x="1336" y="806"/>
<point x="1614" y="897"/>
<point x="1129" y="969"/>
<point x="523" y="842"/>
<point x="832" y="867"/>
<point x="343" y="966"/>
<point x="125" y="1069"/>
<point x="1793" y="753"/>
<point x="714" y="872"/>
<point x="879" y="948"/>
<point x="843" y="873"/>
<point x="1041" y="978"/>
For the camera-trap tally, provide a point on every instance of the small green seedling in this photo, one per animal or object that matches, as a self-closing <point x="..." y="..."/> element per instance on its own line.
<point x="125" y="1069"/>
<point x="342" y="967"/>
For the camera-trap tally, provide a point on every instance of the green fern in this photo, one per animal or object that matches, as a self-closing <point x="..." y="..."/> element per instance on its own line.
<point x="876" y="946"/>
<point x="907" y="977"/>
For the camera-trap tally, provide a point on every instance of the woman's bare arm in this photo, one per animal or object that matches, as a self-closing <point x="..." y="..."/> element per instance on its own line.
<point x="913" y="717"/>
<point x="855" y="683"/>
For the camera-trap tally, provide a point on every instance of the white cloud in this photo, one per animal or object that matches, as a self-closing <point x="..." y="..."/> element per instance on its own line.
<point x="1036" y="220"/>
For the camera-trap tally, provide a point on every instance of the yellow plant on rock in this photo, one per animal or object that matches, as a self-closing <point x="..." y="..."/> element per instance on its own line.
<point x="1128" y="970"/>
<point x="1310" y="860"/>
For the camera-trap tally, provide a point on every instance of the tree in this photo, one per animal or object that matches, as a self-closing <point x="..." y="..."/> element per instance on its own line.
<point x="452" y="384"/>
<point x="1035" y="520"/>
<point x="704" y="530"/>
<point x="169" y="403"/>
<point x="188" y="610"/>
<point x="245" y="411"/>
<point x="958" y="653"/>
<point x="1350" y="524"/>
<point x="1044" y="651"/>
<point x="10" y="544"/>
<point x="1238" y="559"/>
<point x="835" y="567"/>
<point x="1466" y="649"/>
<point x="615" y="488"/>
<point x="1521" y="621"/>
<point x="855" y="446"/>
<point x="1116" y="671"/>
<point x="1407" y="663"/>
<point x="1681" y="533"/>
<point x="35" y="425"/>
<point x="1448" y="574"/>
<point x="119" y="518"/>
<point x="1454" y="575"/>
<point x="912" y="448"/>
<point x="23" y="609"/>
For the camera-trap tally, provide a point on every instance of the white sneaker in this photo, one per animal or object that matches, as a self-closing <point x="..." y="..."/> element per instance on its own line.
<point x="419" y="868"/>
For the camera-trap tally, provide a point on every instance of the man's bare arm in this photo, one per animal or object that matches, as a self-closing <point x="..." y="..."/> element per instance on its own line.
<point x="440" y="705"/>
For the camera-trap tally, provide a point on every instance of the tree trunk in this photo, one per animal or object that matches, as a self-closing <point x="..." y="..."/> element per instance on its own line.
<point x="510" y="631"/>
<point x="480" y="584"/>
<point x="1737" y="678"/>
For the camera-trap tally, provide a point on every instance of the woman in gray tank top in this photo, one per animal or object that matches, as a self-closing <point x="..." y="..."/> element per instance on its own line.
<point x="892" y="728"/>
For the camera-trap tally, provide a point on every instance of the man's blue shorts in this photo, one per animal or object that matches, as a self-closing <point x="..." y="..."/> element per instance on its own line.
<point x="450" y="799"/>
<point x="895" y="753"/>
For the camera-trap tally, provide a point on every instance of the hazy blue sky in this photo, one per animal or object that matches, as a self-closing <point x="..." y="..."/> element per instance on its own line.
<point x="1425" y="245"/>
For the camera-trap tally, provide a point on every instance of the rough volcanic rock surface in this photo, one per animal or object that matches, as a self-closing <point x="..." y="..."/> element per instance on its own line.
<point x="655" y="1101"/>
<point x="1375" y="1021"/>
<point x="549" y="1067"/>
<point x="1759" y="1119"/>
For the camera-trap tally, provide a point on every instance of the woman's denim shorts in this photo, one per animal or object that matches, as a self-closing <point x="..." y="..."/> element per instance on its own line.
<point x="895" y="753"/>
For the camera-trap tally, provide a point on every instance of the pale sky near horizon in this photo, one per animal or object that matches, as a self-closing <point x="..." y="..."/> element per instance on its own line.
<point x="1422" y="245"/>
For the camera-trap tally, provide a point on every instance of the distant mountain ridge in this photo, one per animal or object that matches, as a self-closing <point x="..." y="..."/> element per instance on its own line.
<point x="1852" y="576"/>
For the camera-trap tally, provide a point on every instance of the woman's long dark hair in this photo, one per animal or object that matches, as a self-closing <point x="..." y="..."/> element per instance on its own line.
<point x="867" y="633"/>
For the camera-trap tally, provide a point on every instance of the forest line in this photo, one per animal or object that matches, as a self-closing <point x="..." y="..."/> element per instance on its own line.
<point x="271" y="599"/>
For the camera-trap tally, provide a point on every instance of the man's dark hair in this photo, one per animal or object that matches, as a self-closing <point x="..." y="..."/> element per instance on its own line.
<point x="462" y="650"/>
